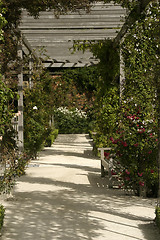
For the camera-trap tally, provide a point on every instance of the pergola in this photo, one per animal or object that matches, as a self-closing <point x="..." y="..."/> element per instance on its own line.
<point x="57" y="35"/>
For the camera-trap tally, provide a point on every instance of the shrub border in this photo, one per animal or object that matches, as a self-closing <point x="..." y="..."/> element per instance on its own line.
<point x="157" y="219"/>
<point x="2" y="214"/>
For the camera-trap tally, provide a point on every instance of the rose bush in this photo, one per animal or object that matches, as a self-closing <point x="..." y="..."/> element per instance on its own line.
<point x="135" y="145"/>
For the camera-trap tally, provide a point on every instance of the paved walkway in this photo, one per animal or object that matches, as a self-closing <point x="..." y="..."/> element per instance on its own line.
<point x="63" y="197"/>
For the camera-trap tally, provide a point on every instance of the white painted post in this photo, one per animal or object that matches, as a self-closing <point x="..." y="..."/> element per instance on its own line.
<point x="20" y="100"/>
<point x="122" y="74"/>
<point x="30" y="71"/>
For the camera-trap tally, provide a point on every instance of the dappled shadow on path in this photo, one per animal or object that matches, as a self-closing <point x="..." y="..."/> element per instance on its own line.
<point x="52" y="202"/>
<point x="74" y="212"/>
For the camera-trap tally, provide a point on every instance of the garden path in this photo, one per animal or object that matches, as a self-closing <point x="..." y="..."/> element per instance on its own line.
<point x="63" y="197"/>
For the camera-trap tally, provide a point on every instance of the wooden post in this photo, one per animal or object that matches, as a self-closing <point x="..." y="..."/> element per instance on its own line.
<point x="122" y="75"/>
<point x="102" y="167"/>
<point x="30" y="71"/>
<point x="110" y="173"/>
<point x="20" y="100"/>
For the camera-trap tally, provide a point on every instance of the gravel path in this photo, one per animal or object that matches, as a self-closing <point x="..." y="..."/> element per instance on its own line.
<point x="63" y="197"/>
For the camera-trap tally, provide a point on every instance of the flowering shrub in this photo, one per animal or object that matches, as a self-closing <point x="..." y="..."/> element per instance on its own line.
<point x="14" y="165"/>
<point x="70" y="120"/>
<point x="135" y="145"/>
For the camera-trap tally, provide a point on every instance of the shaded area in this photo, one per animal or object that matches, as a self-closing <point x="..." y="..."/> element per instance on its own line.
<point x="65" y="198"/>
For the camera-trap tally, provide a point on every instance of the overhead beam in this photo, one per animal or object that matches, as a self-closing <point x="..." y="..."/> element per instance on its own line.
<point x="131" y="19"/>
<point x="28" y="46"/>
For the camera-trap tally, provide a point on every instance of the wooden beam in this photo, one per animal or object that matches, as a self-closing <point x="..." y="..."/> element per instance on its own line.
<point x="131" y="19"/>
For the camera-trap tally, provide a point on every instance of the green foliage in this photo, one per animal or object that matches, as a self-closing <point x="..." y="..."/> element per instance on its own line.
<point x="70" y="120"/>
<point x="135" y="145"/>
<point x="6" y="96"/>
<point x="75" y="88"/>
<point x="3" y="21"/>
<point x="83" y="78"/>
<point x="51" y="137"/>
<point x="137" y="139"/>
<point x="14" y="165"/>
<point x="133" y="132"/>
<point x="2" y="214"/>
<point x="108" y="55"/>
<point x="37" y="111"/>
<point x="106" y="111"/>
<point x="157" y="217"/>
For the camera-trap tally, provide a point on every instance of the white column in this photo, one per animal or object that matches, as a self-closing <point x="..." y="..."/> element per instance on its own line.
<point x="30" y="71"/>
<point x="20" y="100"/>
<point x="122" y="74"/>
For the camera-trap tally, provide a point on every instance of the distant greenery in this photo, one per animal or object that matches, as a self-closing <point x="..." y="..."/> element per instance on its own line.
<point x="70" y="120"/>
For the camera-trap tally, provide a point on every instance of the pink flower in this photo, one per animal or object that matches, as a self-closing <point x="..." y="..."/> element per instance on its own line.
<point x="127" y="172"/>
<point x="141" y="183"/>
<point x="136" y="144"/>
<point x="113" y="173"/>
<point x="140" y="174"/>
<point x="141" y="130"/>
<point x="124" y="144"/>
<point x="111" y="138"/>
<point x="106" y="154"/>
<point x="115" y="141"/>
<point x="150" y="152"/>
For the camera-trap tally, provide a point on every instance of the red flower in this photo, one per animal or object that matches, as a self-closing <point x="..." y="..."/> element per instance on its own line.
<point x="140" y="174"/>
<point x="111" y="138"/>
<point x="124" y="144"/>
<point x="113" y="173"/>
<point x="152" y="171"/>
<point x="115" y="141"/>
<point x="141" y="130"/>
<point x="141" y="183"/>
<point x="127" y="172"/>
<point x="150" y="152"/>
<point x="136" y="144"/>
<point x="106" y="154"/>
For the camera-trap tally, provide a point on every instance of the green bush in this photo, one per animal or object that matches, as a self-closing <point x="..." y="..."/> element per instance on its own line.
<point x="158" y="217"/>
<point x="2" y="211"/>
<point x="51" y="138"/>
<point x="70" y="121"/>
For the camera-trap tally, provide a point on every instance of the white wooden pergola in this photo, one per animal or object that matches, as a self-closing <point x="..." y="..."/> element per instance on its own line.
<point x="56" y="35"/>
